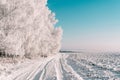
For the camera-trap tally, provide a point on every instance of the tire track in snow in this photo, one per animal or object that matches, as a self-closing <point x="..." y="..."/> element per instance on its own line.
<point x="70" y="69"/>
<point x="58" y="69"/>
<point x="27" y="74"/>
<point x="61" y="70"/>
<point x="41" y="74"/>
<point x="34" y="72"/>
<point x="68" y="73"/>
<point x="26" y="71"/>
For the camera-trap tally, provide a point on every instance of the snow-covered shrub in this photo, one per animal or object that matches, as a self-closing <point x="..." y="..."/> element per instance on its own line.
<point x="27" y="28"/>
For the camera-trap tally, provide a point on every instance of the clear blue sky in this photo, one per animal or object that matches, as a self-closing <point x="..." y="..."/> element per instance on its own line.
<point x="88" y="24"/>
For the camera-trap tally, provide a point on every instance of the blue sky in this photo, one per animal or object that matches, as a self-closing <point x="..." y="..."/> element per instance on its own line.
<point x="88" y="24"/>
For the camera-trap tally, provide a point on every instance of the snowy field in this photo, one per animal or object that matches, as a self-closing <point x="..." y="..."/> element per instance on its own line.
<point x="96" y="66"/>
<point x="63" y="66"/>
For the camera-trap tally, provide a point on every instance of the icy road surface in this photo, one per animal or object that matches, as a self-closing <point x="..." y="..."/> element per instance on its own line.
<point x="65" y="67"/>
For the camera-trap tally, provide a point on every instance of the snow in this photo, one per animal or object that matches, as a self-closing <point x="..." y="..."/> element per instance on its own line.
<point x="63" y="66"/>
<point x="38" y="69"/>
<point x="96" y="66"/>
<point x="29" y="46"/>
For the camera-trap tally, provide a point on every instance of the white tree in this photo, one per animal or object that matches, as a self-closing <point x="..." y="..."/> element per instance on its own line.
<point x="27" y="28"/>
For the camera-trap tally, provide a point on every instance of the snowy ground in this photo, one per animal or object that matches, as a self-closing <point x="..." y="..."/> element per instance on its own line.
<point x="80" y="66"/>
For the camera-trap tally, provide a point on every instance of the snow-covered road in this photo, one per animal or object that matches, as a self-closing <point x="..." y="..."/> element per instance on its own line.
<point x="67" y="67"/>
<point x="51" y="68"/>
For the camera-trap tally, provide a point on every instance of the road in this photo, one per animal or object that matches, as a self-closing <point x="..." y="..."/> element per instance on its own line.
<point x="51" y="68"/>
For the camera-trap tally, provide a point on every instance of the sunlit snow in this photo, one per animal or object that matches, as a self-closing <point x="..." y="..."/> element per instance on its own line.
<point x="30" y="44"/>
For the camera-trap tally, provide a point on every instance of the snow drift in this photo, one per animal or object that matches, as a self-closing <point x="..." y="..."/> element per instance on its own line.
<point x="27" y="28"/>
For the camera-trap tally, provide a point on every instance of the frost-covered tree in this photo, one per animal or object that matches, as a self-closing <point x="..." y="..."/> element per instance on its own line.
<point x="27" y="28"/>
